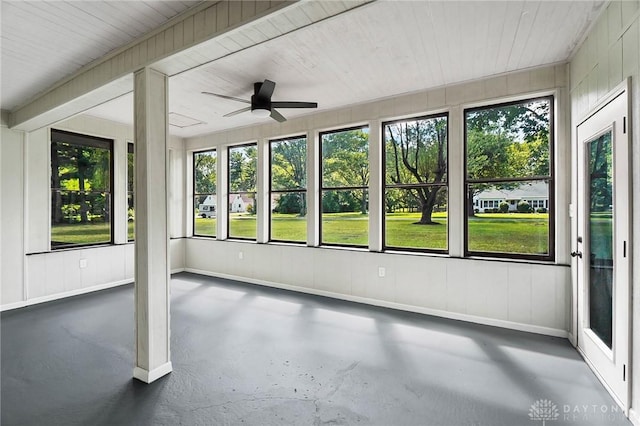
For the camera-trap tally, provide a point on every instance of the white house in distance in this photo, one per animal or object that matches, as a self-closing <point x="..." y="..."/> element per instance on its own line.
<point x="536" y="194"/>
<point x="237" y="204"/>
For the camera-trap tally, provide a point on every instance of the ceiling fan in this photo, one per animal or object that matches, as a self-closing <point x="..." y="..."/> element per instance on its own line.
<point x="261" y="104"/>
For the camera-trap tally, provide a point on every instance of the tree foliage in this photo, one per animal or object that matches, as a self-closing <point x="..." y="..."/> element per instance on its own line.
<point x="507" y="142"/>
<point x="205" y="172"/>
<point x="345" y="163"/>
<point x="416" y="154"/>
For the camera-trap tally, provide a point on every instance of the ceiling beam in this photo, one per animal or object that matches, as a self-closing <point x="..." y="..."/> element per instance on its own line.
<point x="197" y="25"/>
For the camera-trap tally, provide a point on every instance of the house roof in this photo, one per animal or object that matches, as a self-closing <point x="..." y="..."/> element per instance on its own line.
<point x="527" y="190"/>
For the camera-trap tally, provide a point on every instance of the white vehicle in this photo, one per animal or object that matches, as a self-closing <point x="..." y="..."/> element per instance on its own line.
<point x="207" y="208"/>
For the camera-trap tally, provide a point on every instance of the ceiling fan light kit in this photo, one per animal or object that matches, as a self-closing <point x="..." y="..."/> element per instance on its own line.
<point x="261" y="104"/>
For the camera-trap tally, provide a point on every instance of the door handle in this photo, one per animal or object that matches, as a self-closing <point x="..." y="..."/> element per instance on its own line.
<point x="576" y="254"/>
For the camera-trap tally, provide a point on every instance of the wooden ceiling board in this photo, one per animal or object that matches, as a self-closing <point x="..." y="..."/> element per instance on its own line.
<point x="373" y="52"/>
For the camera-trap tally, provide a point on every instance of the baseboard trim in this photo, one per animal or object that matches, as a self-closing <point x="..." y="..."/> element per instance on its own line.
<point x="57" y="296"/>
<point x="393" y="305"/>
<point x="153" y="375"/>
<point x="634" y="416"/>
<point x="177" y="270"/>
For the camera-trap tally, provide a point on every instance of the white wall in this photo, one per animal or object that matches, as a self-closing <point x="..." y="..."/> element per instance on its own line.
<point x="610" y="54"/>
<point x="530" y="296"/>
<point x="11" y="216"/>
<point x="31" y="272"/>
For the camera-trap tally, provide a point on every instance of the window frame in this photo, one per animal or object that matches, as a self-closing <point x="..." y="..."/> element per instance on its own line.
<point x="229" y="192"/>
<point x="322" y="188"/>
<point x="288" y="191"/>
<point x="80" y="139"/>
<point x="550" y="179"/>
<point x="385" y="247"/>
<point x="196" y="194"/>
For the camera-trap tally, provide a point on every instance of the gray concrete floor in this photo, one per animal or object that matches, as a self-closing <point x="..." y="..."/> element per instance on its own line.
<point x="248" y="355"/>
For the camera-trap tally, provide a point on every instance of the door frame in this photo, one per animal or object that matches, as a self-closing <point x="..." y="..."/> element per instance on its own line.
<point x="623" y="87"/>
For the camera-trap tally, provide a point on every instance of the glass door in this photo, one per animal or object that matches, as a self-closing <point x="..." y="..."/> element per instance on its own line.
<point x="601" y="255"/>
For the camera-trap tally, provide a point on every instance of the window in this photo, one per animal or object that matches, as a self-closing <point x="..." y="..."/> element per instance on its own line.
<point x="415" y="184"/>
<point x="204" y="193"/>
<point x="288" y="190"/>
<point x="243" y="161"/>
<point x="509" y="156"/>
<point x="130" y="188"/>
<point x="81" y="182"/>
<point x="344" y="172"/>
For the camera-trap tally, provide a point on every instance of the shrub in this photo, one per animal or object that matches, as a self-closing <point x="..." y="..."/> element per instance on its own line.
<point x="524" y="207"/>
<point x="504" y="207"/>
<point x="541" y="210"/>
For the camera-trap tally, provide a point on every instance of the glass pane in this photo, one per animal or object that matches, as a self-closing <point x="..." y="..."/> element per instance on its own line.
<point x="289" y="217"/>
<point x="600" y="231"/>
<point x="345" y="158"/>
<point x="130" y="168"/>
<point x="80" y="168"/>
<point x="416" y="151"/>
<point x="243" y="161"/>
<point x="242" y="215"/>
<point x="204" y="222"/>
<point x="289" y="164"/>
<point x="204" y="172"/>
<point x="131" y="216"/>
<point x="80" y="218"/>
<point x="416" y="218"/>
<point x="509" y="218"/>
<point x="508" y="141"/>
<point x="345" y="217"/>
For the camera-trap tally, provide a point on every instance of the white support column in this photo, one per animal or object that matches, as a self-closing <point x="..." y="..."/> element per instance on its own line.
<point x="222" y="209"/>
<point x="313" y="189"/>
<point x="457" y="191"/>
<point x="376" y="195"/>
<point x="263" y="201"/>
<point x="153" y="358"/>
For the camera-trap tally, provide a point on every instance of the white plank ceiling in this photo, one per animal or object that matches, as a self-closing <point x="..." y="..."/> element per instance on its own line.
<point x="46" y="41"/>
<point x="371" y="52"/>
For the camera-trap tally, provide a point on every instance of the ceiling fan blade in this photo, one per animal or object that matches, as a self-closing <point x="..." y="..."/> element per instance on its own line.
<point x="266" y="90"/>
<point x="277" y="116"/>
<point x="290" y="104"/>
<point x="240" y="111"/>
<point x="227" y="97"/>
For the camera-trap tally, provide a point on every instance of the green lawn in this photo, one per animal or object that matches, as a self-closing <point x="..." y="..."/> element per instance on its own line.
<point x="80" y="233"/>
<point x="525" y="233"/>
<point x="492" y="232"/>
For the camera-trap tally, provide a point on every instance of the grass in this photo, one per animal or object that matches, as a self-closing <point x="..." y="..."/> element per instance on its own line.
<point x="524" y="233"/>
<point x="490" y="232"/>
<point x="80" y="233"/>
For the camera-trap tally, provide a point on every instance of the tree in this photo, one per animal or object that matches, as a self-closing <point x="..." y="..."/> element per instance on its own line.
<point x="345" y="163"/>
<point x="205" y="172"/>
<point x="505" y="142"/>
<point x="417" y="154"/>
<point x="289" y="171"/>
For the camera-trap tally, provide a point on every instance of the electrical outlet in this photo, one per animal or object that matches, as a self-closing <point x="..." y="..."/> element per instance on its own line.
<point x="83" y="263"/>
<point x="382" y="271"/>
<point x="240" y="255"/>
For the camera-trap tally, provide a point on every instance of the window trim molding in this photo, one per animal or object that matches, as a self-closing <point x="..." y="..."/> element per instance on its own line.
<point x="551" y="97"/>
<point x="81" y="139"/>
<point x="385" y="247"/>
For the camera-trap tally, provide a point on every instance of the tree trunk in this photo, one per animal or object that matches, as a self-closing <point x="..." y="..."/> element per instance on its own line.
<point x="363" y="203"/>
<point x="82" y="195"/>
<point x="426" y="207"/>
<point x="470" y="208"/>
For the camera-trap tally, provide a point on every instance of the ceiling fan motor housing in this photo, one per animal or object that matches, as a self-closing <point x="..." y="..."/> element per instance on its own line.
<point x="259" y="102"/>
